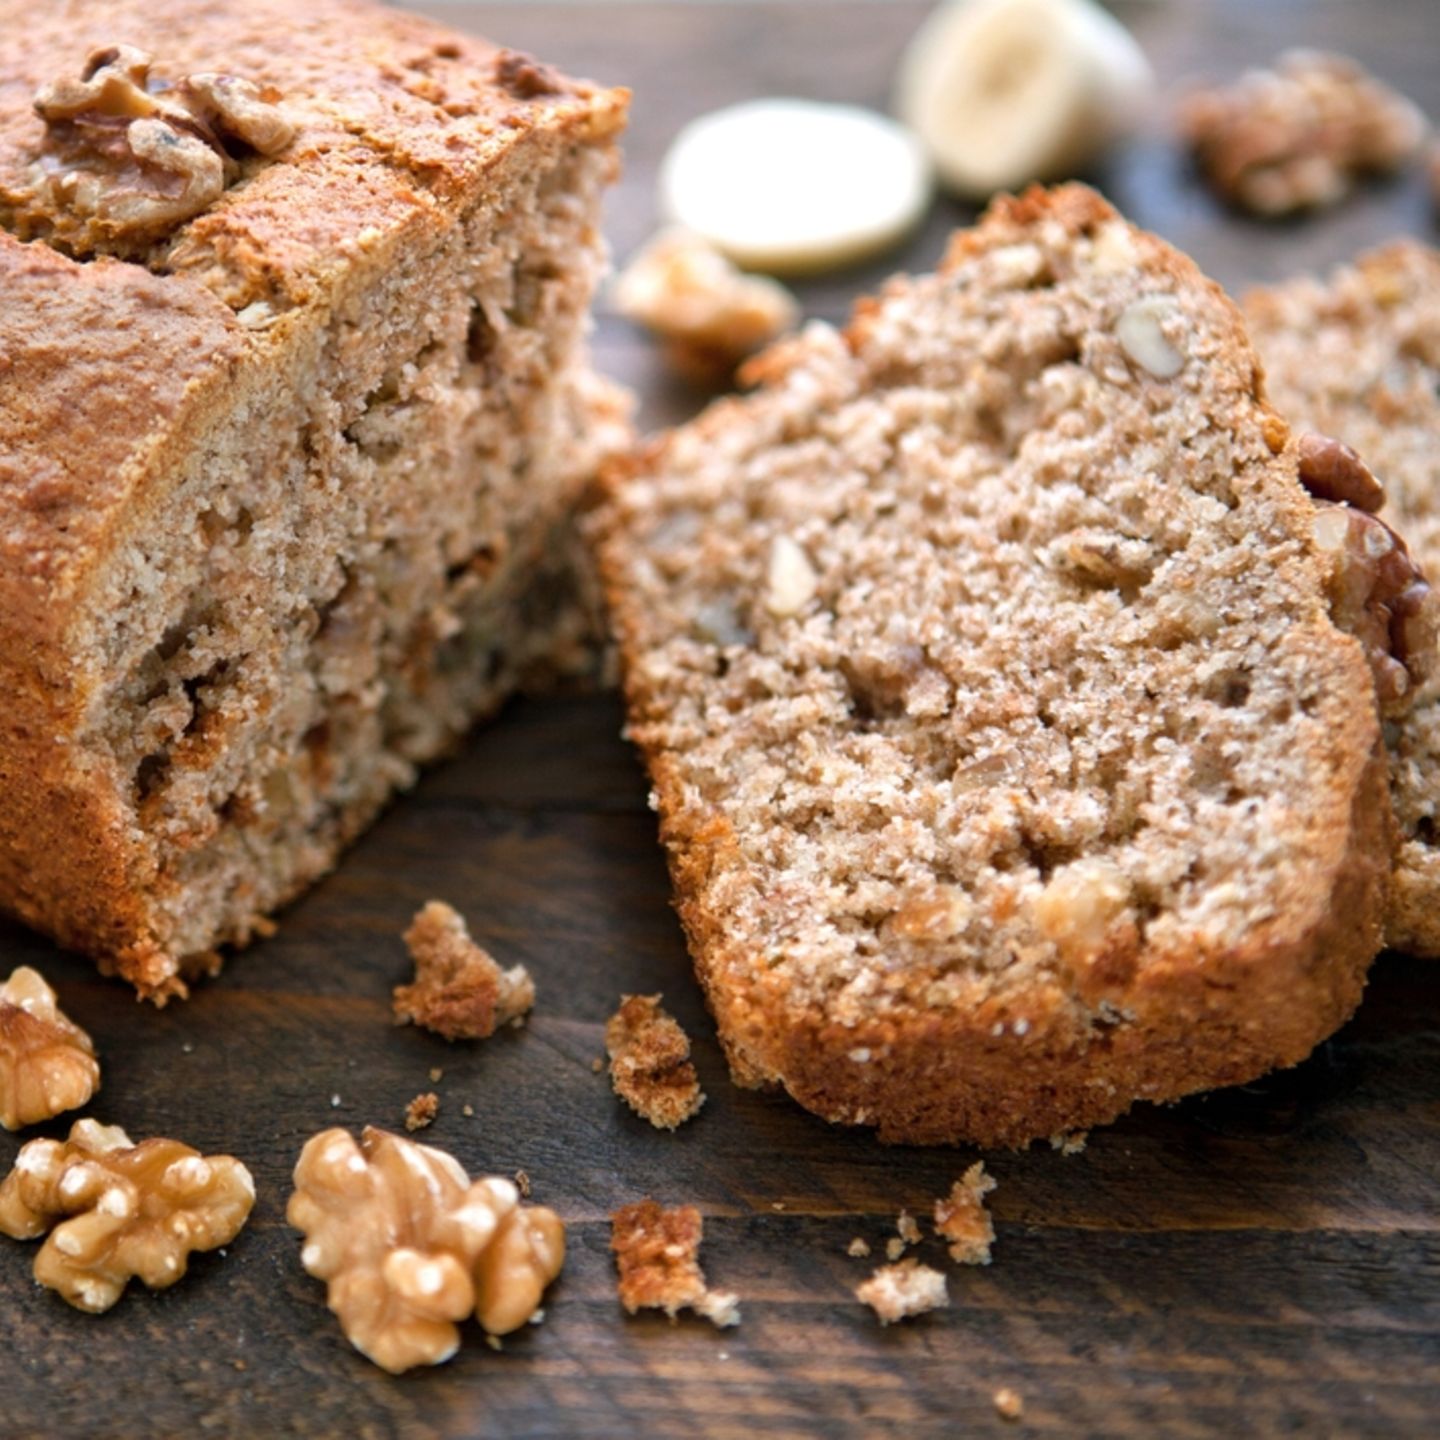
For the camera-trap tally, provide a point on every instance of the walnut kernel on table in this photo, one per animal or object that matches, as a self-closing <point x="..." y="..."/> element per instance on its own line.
<point x="116" y="1210"/>
<point x="962" y="1219"/>
<point x="409" y="1246"/>
<point x="897" y="1292"/>
<point x="47" y="1062"/>
<point x="709" y="314"/>
<point x="458" y="991"/>
<point x="127" y="155"/>
<point x="650" y="1065"/>
<point x="1297" y="137"/>
<point x="657" y="1254"/>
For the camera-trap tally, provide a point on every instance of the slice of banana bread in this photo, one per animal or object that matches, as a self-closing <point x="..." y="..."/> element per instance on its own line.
<point x="1010" y="766"/>
<point x="1358" y="356"/>
<point x="294" y="409"/>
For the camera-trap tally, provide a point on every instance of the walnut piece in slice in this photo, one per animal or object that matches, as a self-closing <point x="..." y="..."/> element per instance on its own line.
<point x="657" y="1253"/>
<point x="896" y="1292"/>
<point x="459" y="991"/>
<point x="962" y="1219"/>
<point x="650" y="1065"/>
<point x="47" y="1063"/>
<point x="408" y="1245"/>
<point x="1297" y="137"/>
<point x="710" y="314"/>
<point x="116" y="1210"/>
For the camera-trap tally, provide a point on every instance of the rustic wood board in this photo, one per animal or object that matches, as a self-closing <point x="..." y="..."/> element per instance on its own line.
<point x="1263" y="1259"/>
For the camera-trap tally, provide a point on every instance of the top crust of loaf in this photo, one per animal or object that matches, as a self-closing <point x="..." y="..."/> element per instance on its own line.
<point x="823" y="758"/>
<point x="1358" y="356"/>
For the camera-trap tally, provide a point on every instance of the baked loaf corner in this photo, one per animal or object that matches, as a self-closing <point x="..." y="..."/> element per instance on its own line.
<point x="295" y="409"/>
<point x="1009" y="764"/>
<point x="1357" y="355"/>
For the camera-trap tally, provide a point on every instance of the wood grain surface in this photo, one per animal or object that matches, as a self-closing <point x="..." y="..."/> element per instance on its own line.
<point x="1263" y="1260"/>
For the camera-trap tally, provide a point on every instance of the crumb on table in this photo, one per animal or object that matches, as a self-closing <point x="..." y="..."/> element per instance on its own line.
<point x="657" y="1254"/>
<point x="650" y="1065"/>
<point x="898" y="1292"/>
<point x="421" y="1111"/>
<point x="962" y="1219"/>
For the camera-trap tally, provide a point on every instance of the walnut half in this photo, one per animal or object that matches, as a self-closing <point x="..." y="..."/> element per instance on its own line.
<point x="116" y="1210"/>
<point x="126" y="157"/>
<point x="408" y="1245"/>
<point x="47" y="1063"/>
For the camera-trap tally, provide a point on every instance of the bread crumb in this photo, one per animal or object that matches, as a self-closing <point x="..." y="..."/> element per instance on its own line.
<point x="597" y="1064"/>
<point x="657" y="1256"/>
<point x="334" y="1102"/>
<point x="1071" y="1144"/>
<point x="650" y="1063"/>
<point x="962" y="1218"/>
<point x="896" y="1292"/>
<point x="857" y="1249"/>
<point x="522" y="1184"/>
<point x="458" y="991"/>
<point x="494" y="1342"/>
<point x="436" y="1074"/>
<point x="894" y="1248"/>
<point x="421" y="1111"/>
<point x="468" y="1111"/>
<point x="239" y="1365"/>
<point x="1008" y="1404"/>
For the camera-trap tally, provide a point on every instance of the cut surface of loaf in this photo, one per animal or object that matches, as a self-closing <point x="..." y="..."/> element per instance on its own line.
<point x="286" y="481"/>
<point x="1358" y="356"/>
<point x="1008" y="762"/>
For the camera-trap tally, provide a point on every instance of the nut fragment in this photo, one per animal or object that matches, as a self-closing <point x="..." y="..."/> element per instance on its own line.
<point x="408" y="1245"/>
<point x="1330" y="470"/>
<point x="126" y="157"/>
<point x="1298" y="136"/>
<point x="896" y="1292"/>
<point x="961" y="1217"/>
<point x="1079" y="904"/>
<point x="47" y="1063"/>
<point x="710" y="314"/>
<point x="790" y="579"/>
<point x="1378" y="595"/>
<point x="459" y="991"/>
<point x="939" y="913"/>
<point x="1141" y="333"/>
<point x="650" y="1065"/>
<point x="116" y="1210"/>
<point x="657" y="1255"/>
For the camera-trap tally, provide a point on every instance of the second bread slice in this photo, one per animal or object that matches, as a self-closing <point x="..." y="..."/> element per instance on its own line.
<point x="1008" y="762"/>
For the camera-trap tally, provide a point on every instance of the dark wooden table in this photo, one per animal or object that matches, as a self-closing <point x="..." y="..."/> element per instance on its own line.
<point x="1263" y="1260"/>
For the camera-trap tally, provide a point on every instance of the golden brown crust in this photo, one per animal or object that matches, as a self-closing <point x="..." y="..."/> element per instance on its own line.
<point x="999" y="1067"/>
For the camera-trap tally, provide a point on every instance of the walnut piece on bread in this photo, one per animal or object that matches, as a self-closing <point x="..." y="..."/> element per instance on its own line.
<point x="115" y="1210"/>
<point x="459" y="991"/>
<point x="897" y="1292"/>
<point x="409" y="1246"/>
<point x="650" y="1065"/>
<point x="657" y="1254"/>
<point x="962" y="1219"/>
<point x="47" y="1063"/>
<point x="127" y="157"/>
<point x="1296" y="137"/>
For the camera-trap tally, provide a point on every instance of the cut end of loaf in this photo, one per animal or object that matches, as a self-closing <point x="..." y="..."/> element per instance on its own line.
<point x="1008" y="761"/>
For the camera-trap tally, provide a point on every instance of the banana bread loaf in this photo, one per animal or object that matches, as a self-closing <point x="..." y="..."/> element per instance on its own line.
<point x="1010" y="765"/>
<point x="294" y="407"/>
<point x="1358" y="356"/>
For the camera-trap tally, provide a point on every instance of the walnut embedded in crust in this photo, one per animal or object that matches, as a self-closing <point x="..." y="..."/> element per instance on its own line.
<point x="1296" y="137"/>
<point x="896" y="1292"/>
<point x="961" y="1217"/>
<point x="657" y="1255"/>
<point x="710" y="314"/>
<point x="47" y="1063"/>
<point x="116" y="1210"/>
<point x="127" y="157"/>
<point x="459" y="991"/>
<point x="650" y="1063"/>
<point x="409" y="1246"/>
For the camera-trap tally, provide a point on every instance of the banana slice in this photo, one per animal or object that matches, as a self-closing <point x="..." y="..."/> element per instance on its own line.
<point x="1004" y="92"/>
<point x="790" y="186"/>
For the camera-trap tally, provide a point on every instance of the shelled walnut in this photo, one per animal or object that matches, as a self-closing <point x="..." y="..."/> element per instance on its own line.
<point x="408" y="1245"/>
<point x="116" y="1210"/>
<point x="650" y="1067"/>
<point x="126" y="157"/>
<point x="47" y="1063"/>
<point x="657" y="1254"/>
<point x="458" y="991"/>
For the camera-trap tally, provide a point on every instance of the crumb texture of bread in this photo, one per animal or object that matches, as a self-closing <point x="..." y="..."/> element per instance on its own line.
<point x="962" y="1219"/>
<point x="1357" y="356"/>
<point x="899" y="1292"/>
<point x="286" y="493"/>
<point x="1010" y="766"/>
<point x="459" y="990"/>
<point x="657" y="1256"/>
<point x="650" y="1066"/>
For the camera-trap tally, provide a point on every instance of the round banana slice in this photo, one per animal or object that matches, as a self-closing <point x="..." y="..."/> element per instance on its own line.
<point x="790" y="186"/>
<point x="1004" y="92"/>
